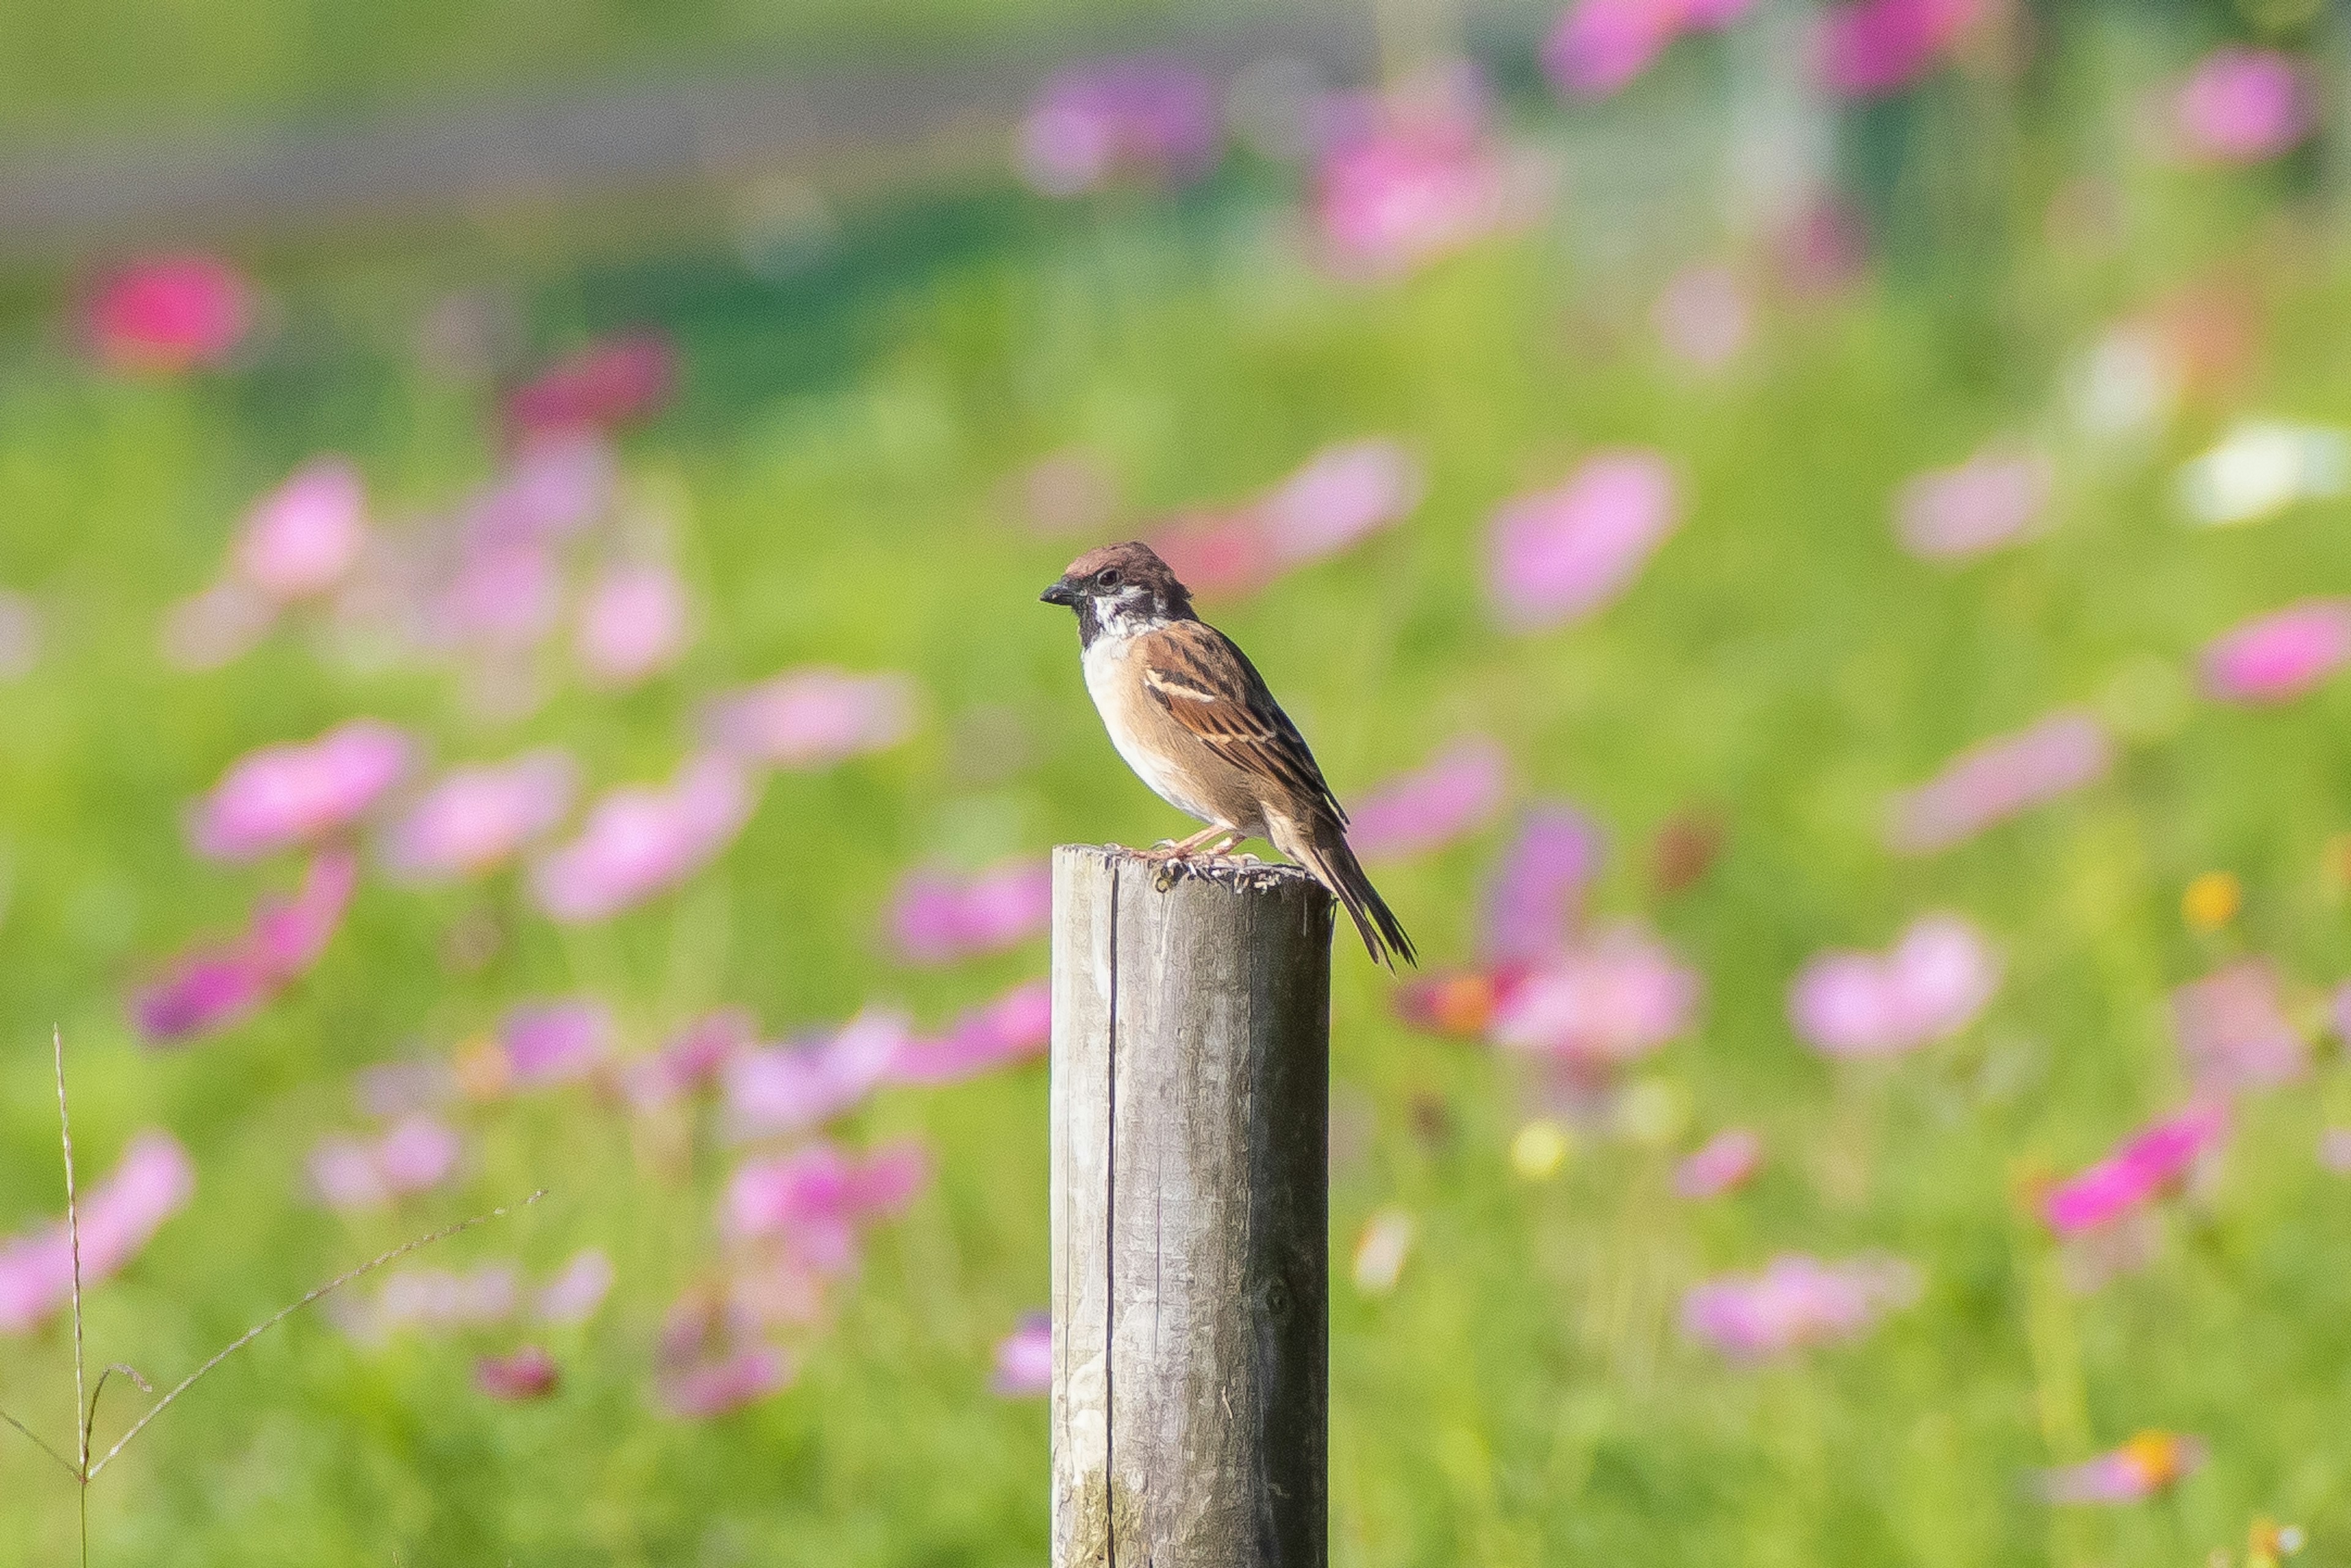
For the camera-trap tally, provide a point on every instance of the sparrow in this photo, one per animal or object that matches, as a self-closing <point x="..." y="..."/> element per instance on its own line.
<point x="1192" y="717"/>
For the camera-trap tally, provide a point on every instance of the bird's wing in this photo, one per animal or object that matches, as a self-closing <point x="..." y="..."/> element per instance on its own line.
<point x="1208" y="686"/>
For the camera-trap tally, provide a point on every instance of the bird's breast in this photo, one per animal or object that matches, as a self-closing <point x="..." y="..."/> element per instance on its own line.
<point x="1160" y="750"/>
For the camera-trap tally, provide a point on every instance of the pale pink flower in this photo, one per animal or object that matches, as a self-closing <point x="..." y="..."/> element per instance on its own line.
<point x="634" y="624"/>
<point x="2150" y="1463"/>
<point x="2243" y="106"/>
<point x="119" y="1214"/>
<point x="1015" y="1027"/>
<point x="936" y="916"/>
<point x="1536" y="889"/>
<point x="215" y="625"/>
<point x="641" y="840"/>
<point x="1451" y="794"/>
<point x="476" y="818"/>
<point x="1558" y="554"/>
<point x="436" y="1301"/>
<point x="1607" y="997"/>
<point x="613" y="380"/>
<point x="1343" y="494"/>
<point x="415" y="1154"/>
<point x="718" y="1384"/>
<point x="1876" y="48"/>
<point x="694" y="1060"/>
<point x="1024" y="1358"/>
<point x="815" y="1199"/>
<point x="577" y="1289"/>
<point x="1930" y="986"/>
<point x="1794" y="1301"/>
<point x="1998" y="779"/>
<point x="2234" y="1031"/>
<point x="385" y="1090"/>
<point x="1600" y="46"/>
<point x="2280" y="654"/>
<point x="1412" y="177"/>
<point x="169" y="313"/>
<point x="786" y="1088"/>
<point x="296" y="792"/>
<point x="1149" y="117"/>
<point x="1218" y="555"/>
<point x="303" y="537"/>
<point x="1994" y="498"/>
<point x="211" y="987"/>
<point x="504" y="596"/>
<point x="1702" y="316"/>
<point x="1729" y="1159"/>
<point x="20" y="634"/>
<point x="553" y="488"/>
<point x="2334" y="1149"/>
<point x="812" y="717"/>
<point x="526" y="1372"/>
<point x="2140" y="1169"/>
<point x="542" y="1043"/>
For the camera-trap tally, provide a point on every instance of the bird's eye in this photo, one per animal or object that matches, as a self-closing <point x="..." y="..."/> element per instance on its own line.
<point x="1107" y="578"/>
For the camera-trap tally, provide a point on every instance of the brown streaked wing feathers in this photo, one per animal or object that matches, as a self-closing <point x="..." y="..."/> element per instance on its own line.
<point x="1202" y="678"/>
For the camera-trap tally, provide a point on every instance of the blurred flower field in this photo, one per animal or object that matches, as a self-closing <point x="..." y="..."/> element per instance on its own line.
<point x="1854" y="731"/>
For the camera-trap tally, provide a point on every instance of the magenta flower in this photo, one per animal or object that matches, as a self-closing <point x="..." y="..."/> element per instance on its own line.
<point x="1795" y="1300"/>
<point x="1536" y="889"/>
<point x="1606" y="999"/>
<point x="640" y="840"/>
<point x="543" y="1043"/>
<point x="523" y="1374"/>
<point x="2243" y="105"/>
<point x="118" y="1217"/>
<point x="475" y="819"/>
<point x="814" y="1199"/>
<point x="415" y="1154"/>
<point x="294" y="793"/>
<point x="634" y="624"/>
<point x="1702" y="316"/>
<point x="1024" y="1358"/>
<point x="1997" y="779"/>
<point x="714" y="1385"/>
<point x="2150" y="1463"/>
<point x="614" y="381"/>
<point x="2280" y="654"/>
<point x="784" y="1089"/>
<point x="1151" y="119"/>
<point x="812" y="717"/>
<point x="303" y="537"/>
<point x="1930" y="986"/>
<point x="1447" y="796"/>
<point x="1342" y="494"/>
<point x="1876" y="48"/>
<point x="169" y="313"/>
<point x="211" y="987"/>
<point x="2139" y="1170"/>
<point x="1729" y="1159"/>
<point x="1563" y="553"/>
<point x="2234" y="1031"/>
<point x="1994" y="498"/>
<point x="936" y="917"/>
<point x="215" y="625"/>
<point x="577" y="1290"/>
<point x="1600" y="46"/>
<point x="1013" y="1028"/>
<point x="695" y="1061"/>
<point x="1409" y="179"/>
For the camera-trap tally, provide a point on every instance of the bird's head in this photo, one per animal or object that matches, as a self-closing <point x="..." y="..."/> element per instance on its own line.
<point x="1118" y="590"/>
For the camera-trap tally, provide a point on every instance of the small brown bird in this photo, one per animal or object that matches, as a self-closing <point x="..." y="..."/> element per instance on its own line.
<point x="1192" y="717"/>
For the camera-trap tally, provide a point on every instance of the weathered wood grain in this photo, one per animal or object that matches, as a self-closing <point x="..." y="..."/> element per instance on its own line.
<point x="1191" y="1254"/>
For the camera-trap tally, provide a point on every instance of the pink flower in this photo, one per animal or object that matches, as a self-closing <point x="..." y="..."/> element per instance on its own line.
<point x="634" y="624"/>
<point x="1606" y="999"/>
<point x="2334" y="1149"/>
<point x="294" y="793"/>
<point x="528" y="1373"/>
<point x="554" y="487"/>
<point x="1928" y="986"/>
<point x="1558" y="554"/>
<point x="1795" y="1300"/>
<point x="215" y="625"/>
<point x="1447" y="796"/>
<point x="1343" y="494"/>
<point x="1013" y="1028"/>
<point x="2280" y="654"/>
<point x="1600" y="46"/>
<point x="2234" y="1031"/>
<point x="2139" y="1170"/>
<point x="211" y="987"/>
<point x="1729" y="1159"/>
<point x="694" y="1060"/>
<point x="1876" y="48"/>
<point x="554" y="1042"/>
<point x="118" y="1217"/>
<point x="577" y="1290"/>
<point x="1994" y="498"/>
<point x="812" y="717"/>
<point x="814" y="1199"/>
<point x="1702" y="316"/>
<point x="640" y="841"/>
<point x="169" y="313"/>
<point x="1998" y="779"/>
<point x="1218" y="555"/>
<point x="20" y="634"/>
<point x="1410" y="178"/>
<point x="2150" y="1463"/>
<point x="504" y="596"/>
<point x="936" y="917"/>
<point x="417" y="1153"/>
<point x="2243" y="106"/>
<point x="1024" y="1358"/>
<point x="475" y="819"/>
<point x="783" y="1089"/>
<point x="614" y="381"/>
<point x="1148" y="117"/>
<point x="1536" y="886"/>
<point x="438" y="1300"/>
<point x="303" y="537"/>
<point x="716" y="1385"/>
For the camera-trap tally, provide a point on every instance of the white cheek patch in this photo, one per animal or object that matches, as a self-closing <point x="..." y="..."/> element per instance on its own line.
<point x="1128" y="614"/>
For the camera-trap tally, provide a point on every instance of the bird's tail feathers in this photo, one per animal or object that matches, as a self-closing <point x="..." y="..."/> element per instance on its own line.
<point x="1334" y="865"/>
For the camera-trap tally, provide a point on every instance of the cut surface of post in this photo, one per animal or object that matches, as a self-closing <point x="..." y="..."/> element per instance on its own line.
<point x="1190" y="1212"/>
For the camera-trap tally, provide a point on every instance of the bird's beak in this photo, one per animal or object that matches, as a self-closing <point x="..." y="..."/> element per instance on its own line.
<point x="1059" y="593"/>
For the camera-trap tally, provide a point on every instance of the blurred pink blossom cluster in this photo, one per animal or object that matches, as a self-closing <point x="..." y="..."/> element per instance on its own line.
<point x="1871" y="49"/>
<point x="544" y="1043"/>
<point x="1150" y="118"/>
<point x="1534" y="895"/>
<point x="814" y="1200"/>
<point x="212" y="986"/>
<point x="1729" y="1159"/>
<point x="2150" y="1463"/>
<point x="1998" y="779"/>
<point x="1407" y="177"/>
<point x="692" y="1062"/>
<point x="2242" y="105"/>
<point x="936" y="917"/>
<point x="117" y="1216"/>
<point x="640" y="840"/>
<point x="296" y="793"/>
<point x="2278" y="656"/>
<point x="20" y="634"/>
<point x="634" y="622"/>
<point x="1600" y="46"/>
<point x="611" y="382"/>
<point x="1703" y="317"/>
<point x="169" y="313"/>
<point x="298" y="544"/>
<point x="811" y="716"/>
<point x="1607" y="997"/>
<point x="489" y="1295"/>
<point x="778" y="1088"/>
<point x="1014" y="1027"/>
<point x="1453" y="793"/>
<point x="1024" y="1358"/>
<point x="2140" y="1169"/>
<point x="414" y="1154"/>
<point x="709" y="1361"/>
<point x="1795" y="1300"/>
<point x="1562" y="553"/>
<point x="1996" y="498"/>
<point x="475" y="818"/>
<point x="1930" y="986"/>
<point x="2234" y="1031"/>
<point x="1342" y="495"/>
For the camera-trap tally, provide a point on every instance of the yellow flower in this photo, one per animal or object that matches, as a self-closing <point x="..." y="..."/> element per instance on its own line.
<point x="2211" y="900"/>
<point x="1542" y="1146"/>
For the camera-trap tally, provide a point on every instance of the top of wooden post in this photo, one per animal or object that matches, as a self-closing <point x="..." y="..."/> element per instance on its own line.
<point x="1235" y="873"/>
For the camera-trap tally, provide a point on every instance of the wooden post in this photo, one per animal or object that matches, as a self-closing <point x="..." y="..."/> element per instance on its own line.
<point x="1191" y="1105"/>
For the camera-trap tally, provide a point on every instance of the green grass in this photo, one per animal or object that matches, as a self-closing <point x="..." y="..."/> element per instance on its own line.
<point x="1523" y="1396"/>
